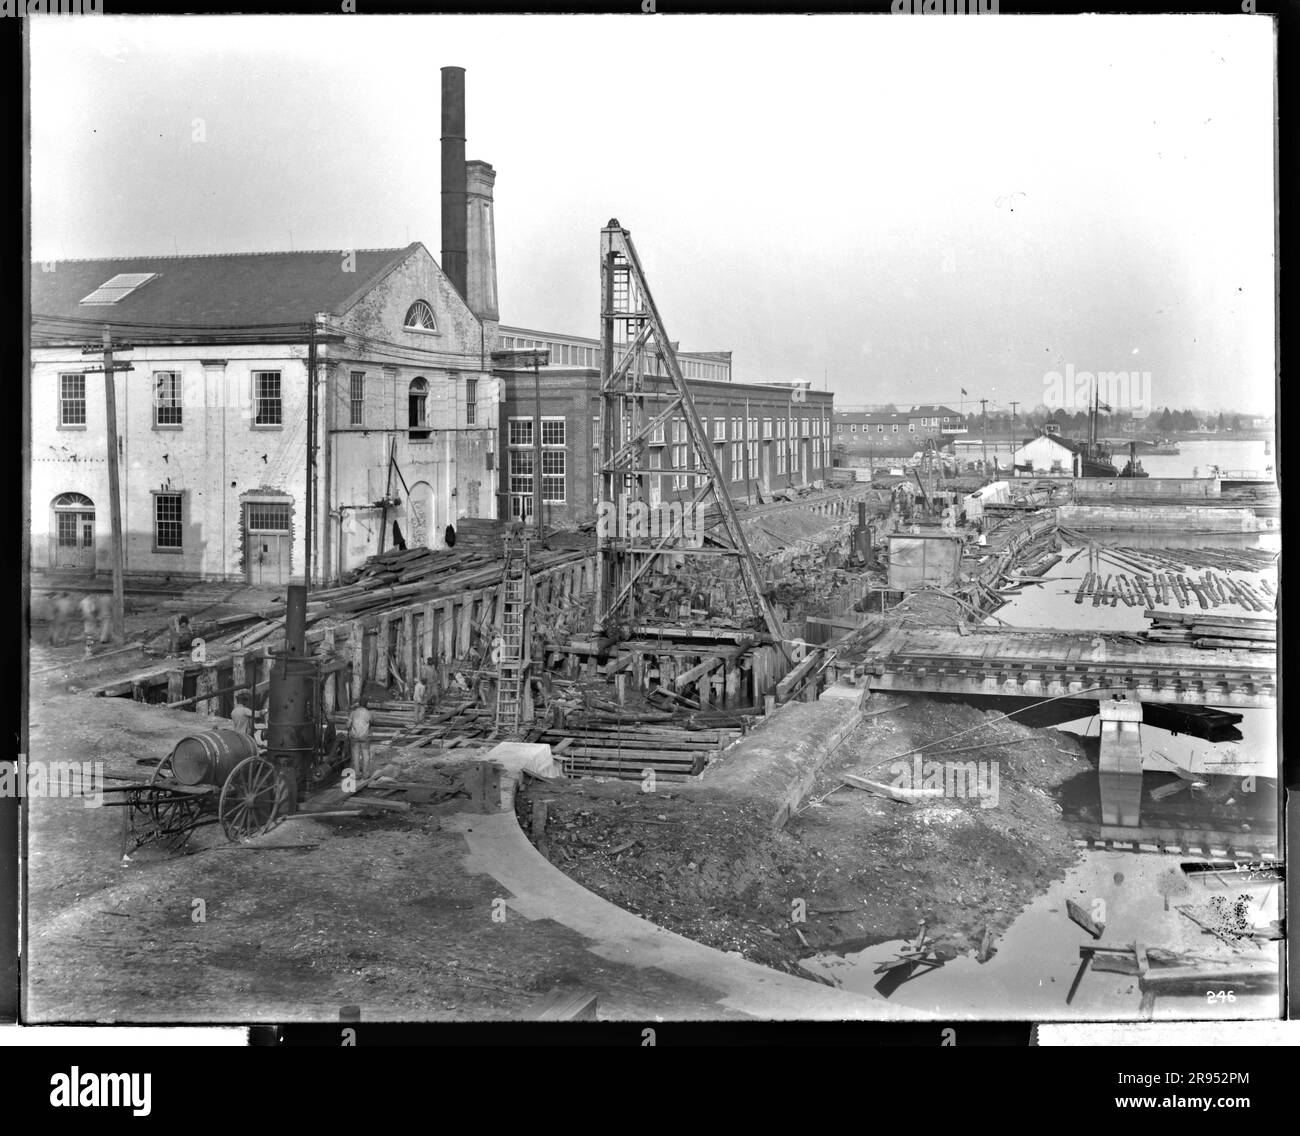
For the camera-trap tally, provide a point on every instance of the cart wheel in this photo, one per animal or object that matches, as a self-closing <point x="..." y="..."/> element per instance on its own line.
<point x="250" y="799"/>
<point x="175" y="819"/>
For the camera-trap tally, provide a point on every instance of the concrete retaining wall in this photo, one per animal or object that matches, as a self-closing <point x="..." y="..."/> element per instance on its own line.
<point x="1159" y="518"/>
<point x="781" y="759"/>
<point x="1118" y="487"/>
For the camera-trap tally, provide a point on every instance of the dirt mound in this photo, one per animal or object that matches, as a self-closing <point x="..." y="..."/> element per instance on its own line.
<point x="848" y="871"/>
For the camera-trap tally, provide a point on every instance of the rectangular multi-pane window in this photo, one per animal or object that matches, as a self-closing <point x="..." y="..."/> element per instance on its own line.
<point x="521" y="432"/>
<point x="803" y="427"/>
<point x="719" y="429"/>
<point x="553" y="432"/>
<point x="553" y="475"/>
<point x="72" y="400"/>
<point x="767" y="427"/>
<point x="521" y="471"/>
<point x="166" y="398"/>
<point x="357" y="398"/>
<point x="737" y="461"/>
<point x="167" y="532"/>
<point x="266" y="399"/>
<point x="68" y="526"/>
<point x="471" y="402"/>
<point x="268" y="516"/>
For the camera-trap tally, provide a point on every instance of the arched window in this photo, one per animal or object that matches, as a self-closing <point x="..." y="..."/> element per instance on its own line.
<point x="418" y="403"/>
<point x="73" y="501"/>
<point x="419" y="317"/>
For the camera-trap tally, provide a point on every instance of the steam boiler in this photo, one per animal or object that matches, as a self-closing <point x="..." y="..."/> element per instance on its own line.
<point x="222" y="776"/>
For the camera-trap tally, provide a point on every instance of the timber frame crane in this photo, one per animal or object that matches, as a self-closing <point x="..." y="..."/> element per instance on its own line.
<point x="631" y="329"/>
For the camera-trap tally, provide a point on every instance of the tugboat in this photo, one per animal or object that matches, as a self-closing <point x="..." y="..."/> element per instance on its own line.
<point x="1133" y="467"/>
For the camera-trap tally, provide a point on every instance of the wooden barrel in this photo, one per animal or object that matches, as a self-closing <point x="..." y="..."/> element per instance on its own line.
<point x="208" y="758"/>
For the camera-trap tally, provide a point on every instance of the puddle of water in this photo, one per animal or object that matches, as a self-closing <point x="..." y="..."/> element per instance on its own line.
<point x="1038" y="955"/>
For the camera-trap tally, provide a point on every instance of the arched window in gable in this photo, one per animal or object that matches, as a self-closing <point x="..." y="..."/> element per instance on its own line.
<point x="419" y="317"/>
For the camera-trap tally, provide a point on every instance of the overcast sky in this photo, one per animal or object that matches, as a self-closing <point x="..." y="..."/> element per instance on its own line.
<point x="904" y="206"/>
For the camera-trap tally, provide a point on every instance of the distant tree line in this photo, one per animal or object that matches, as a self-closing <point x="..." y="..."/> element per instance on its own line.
<point x="1166" y="421"/>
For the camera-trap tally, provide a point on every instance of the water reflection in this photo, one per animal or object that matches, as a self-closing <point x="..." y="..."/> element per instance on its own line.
<point x="1034" y="963"/>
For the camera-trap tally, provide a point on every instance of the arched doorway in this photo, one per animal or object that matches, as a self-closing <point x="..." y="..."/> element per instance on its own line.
<point x="73" y="532"/>
<point x="421" y="518"/>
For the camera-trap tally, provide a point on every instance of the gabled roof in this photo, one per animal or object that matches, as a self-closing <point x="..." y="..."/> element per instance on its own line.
<point x="934" y="412"/>
<point x="219" y="291"/>
<point x="1064" y="443"/>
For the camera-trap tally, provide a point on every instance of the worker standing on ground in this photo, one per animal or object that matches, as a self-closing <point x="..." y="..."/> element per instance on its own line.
<point x="106" y="618"/>
<point x="89" y="621"/>
<point x="61" y="612"/>
<point x="420" y="694"/>
<point x="359" y="738"/>
<point x="241" y="718"/>
<point x="182" y="638"/>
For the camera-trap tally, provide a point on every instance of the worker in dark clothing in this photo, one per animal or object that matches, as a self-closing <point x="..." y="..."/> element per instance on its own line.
<point x="449" y="537"/>
<point x="399" y="542"/>
<point x="182" y="637"/>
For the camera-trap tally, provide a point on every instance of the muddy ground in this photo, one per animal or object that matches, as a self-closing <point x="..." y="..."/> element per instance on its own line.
<point x="380" y="913"/>
<point x="707" y="865"/>
<point x="317" y="915"/>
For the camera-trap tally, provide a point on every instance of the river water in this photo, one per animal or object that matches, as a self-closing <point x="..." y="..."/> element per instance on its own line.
<point x="1195" y="458"/>
<point x="1037" y="956"/>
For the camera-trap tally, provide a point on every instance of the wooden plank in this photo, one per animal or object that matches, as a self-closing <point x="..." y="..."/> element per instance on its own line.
<point x="893" y="792"/>
<point x="377" y="803"/>
<point x="564" y="1006"/>
<point x="695" y="673"/>
<point x="1084" y="920"/>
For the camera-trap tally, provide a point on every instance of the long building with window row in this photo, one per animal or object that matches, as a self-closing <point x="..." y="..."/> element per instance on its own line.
<point x="765" y="437"/>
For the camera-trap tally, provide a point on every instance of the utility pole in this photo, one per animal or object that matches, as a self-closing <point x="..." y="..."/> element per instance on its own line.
<point x="310" y="502"/>
<point x="114" y="492"/>
<point x="984" y="436"/>
<point x="537" y="447"/>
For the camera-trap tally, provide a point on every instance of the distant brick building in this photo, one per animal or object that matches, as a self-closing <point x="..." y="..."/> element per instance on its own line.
<point x="763" y="439"/>
<point x="862" y="432"/>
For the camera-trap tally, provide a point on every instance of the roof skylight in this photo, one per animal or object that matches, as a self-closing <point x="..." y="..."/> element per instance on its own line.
<point x="119" y="287"/>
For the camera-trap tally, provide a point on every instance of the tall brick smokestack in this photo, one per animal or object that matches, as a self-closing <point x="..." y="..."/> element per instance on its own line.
<point x="454" y="196"/>
<point x="481" y="272"/>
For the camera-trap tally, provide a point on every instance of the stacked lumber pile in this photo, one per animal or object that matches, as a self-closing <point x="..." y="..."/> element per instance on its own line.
<point x="1241" y="633"/>
<point x="616" y="750"/>
<point x="394" y="579"/>
<point x="456" y="722"/>
<point x="482" y="534"/>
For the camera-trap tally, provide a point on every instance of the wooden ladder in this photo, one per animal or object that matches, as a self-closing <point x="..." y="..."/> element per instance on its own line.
<point x="512" y="666"/>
